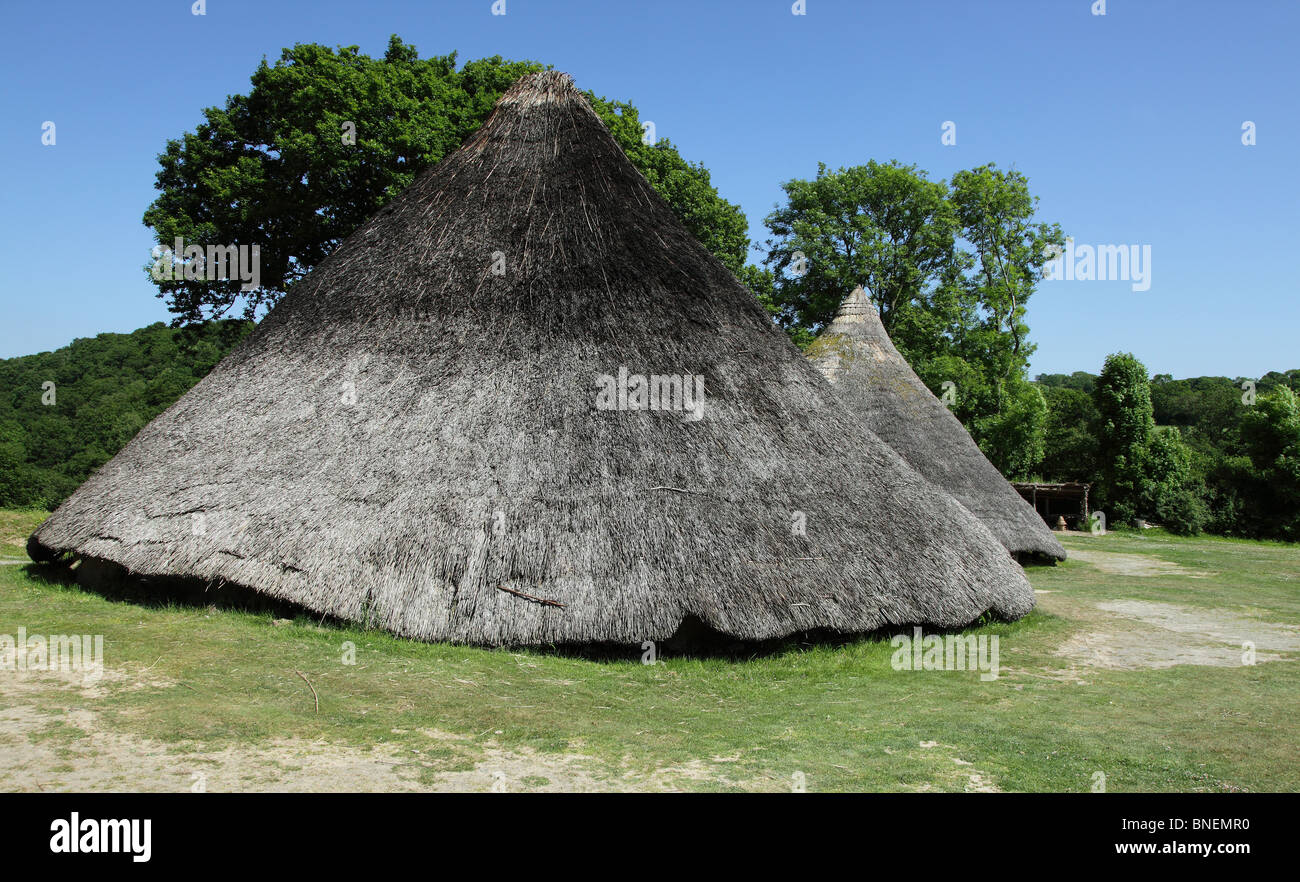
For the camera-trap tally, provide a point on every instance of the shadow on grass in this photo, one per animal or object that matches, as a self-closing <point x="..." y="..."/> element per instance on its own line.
<point x="694" y="639"/>
<point x="116" y="584"/>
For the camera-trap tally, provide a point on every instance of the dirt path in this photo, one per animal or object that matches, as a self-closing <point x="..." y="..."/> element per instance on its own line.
<point x="69" y="750"/>
<point x="46" y="746"/>
<point x="1134" y="634"/>
<point x="1120" y="564"/>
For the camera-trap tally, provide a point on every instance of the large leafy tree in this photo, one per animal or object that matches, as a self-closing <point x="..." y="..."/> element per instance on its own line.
<point x="1008" y="250"/>
<point x="1145" y="470"/>
<point x="1013" y="438"/>
<point x="1124" y="427"/>
<point x="950" y="268"/>
<point x="1070" y="447"/>
<point x="884" y="226"/>
<point x="326" y="136"/>
<point x="1271" y="434"/>
<point x="1171" y="492"/>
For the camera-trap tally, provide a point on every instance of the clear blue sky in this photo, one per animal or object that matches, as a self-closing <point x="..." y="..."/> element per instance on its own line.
<point x="1128" y="127"/>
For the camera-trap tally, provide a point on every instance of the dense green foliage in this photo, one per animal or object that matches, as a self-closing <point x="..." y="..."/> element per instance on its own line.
<point x="105" y="389"/>
<point x="1123" y="399"/>
<point x="1013" y="437"/>
<point x="1208" y="453"/>
<point x="326" y="136"/>
<point x="950" y="268"/>
<point x="1070" y="448"/>
<point x="884" y="226"/>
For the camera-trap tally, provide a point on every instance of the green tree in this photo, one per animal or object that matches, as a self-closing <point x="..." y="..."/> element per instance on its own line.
<point x="1001" y="266"/>
<point x="105" y="389"/>
<point x="1013" y="438"/>
<point x="15" y="474"/>
<point x="1207" y="411"/>
<point x="995" y="210"/>
<point x="1070" y="445"/>
<point x="1080" y="380"/>
<point x="884" y="226"/>
<point x="949" y="270"/>
<point x="1169" y="493"/>
<point x="275" y="167"/>
<point x="1145" y="470"/>
<point x="1271" y="434"/>
<point x="1125" y="424"/>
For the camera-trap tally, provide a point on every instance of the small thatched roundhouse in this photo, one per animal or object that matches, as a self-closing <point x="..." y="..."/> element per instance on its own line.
<point x="871" y="375"/>
<point x="441" y="432"/>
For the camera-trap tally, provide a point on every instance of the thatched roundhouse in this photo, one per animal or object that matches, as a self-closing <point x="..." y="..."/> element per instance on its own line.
<point x="425" y="434"/>
<point x="871" y="375"/>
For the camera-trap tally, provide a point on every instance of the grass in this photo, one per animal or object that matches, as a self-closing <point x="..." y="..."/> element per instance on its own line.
<point x="15" y="527"/>
<point x="839" y="715"/>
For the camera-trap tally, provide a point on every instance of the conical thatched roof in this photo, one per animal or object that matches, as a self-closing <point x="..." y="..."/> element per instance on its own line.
<point x="856" y="354"/>
<point x="413" y="440"/>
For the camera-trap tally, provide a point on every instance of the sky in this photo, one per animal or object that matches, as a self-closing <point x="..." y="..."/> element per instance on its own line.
<point x="1129" y="126"/>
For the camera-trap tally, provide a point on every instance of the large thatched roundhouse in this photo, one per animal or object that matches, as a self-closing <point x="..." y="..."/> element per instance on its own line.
<point x="431" y="433"/>
<point x="856" y="354"/>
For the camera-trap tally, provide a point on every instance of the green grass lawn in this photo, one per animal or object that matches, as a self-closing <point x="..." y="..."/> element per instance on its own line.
<point x="837" y="717"/>
<point x="15" y="527"/>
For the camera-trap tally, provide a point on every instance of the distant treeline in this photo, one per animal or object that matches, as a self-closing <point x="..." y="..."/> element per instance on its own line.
<point x="1208" y="453"/>
<point x="1203" y="454"/>
<point x="65" y="413"/>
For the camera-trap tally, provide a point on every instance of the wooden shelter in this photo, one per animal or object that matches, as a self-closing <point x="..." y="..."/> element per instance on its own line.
<point x="1067" y="500"/>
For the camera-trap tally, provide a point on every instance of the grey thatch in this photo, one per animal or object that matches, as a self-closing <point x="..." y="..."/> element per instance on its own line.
<point x="856" y="354"/>
<point x="411" y="439"/>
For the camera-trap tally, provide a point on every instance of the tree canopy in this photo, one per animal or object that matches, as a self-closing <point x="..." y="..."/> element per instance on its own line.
<point x="950" y="267"/>
<point x="65" y="413"/>
<point x="326" y="136"/>
<point x="1215" y="455"/>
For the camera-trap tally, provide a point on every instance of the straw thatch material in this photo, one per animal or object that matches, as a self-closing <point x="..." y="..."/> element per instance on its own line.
<point x="856" y="354"/>
<point x="411" y="440"/>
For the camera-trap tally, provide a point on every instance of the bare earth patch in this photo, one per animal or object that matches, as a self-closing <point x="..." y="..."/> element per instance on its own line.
<point x="1120" y="564"/>
<point x="41" y="686"/>
<point x="46" y="747"/>
<point x="70" y="751"/>
<point x="953" y="772"/>
<point x="1176" y="635"/>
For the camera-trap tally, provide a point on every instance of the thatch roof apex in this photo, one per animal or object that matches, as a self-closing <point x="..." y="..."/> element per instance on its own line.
<point x="855" y="304"/>
<point x="858" y="316"/>
<point x="542" y="87"/>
